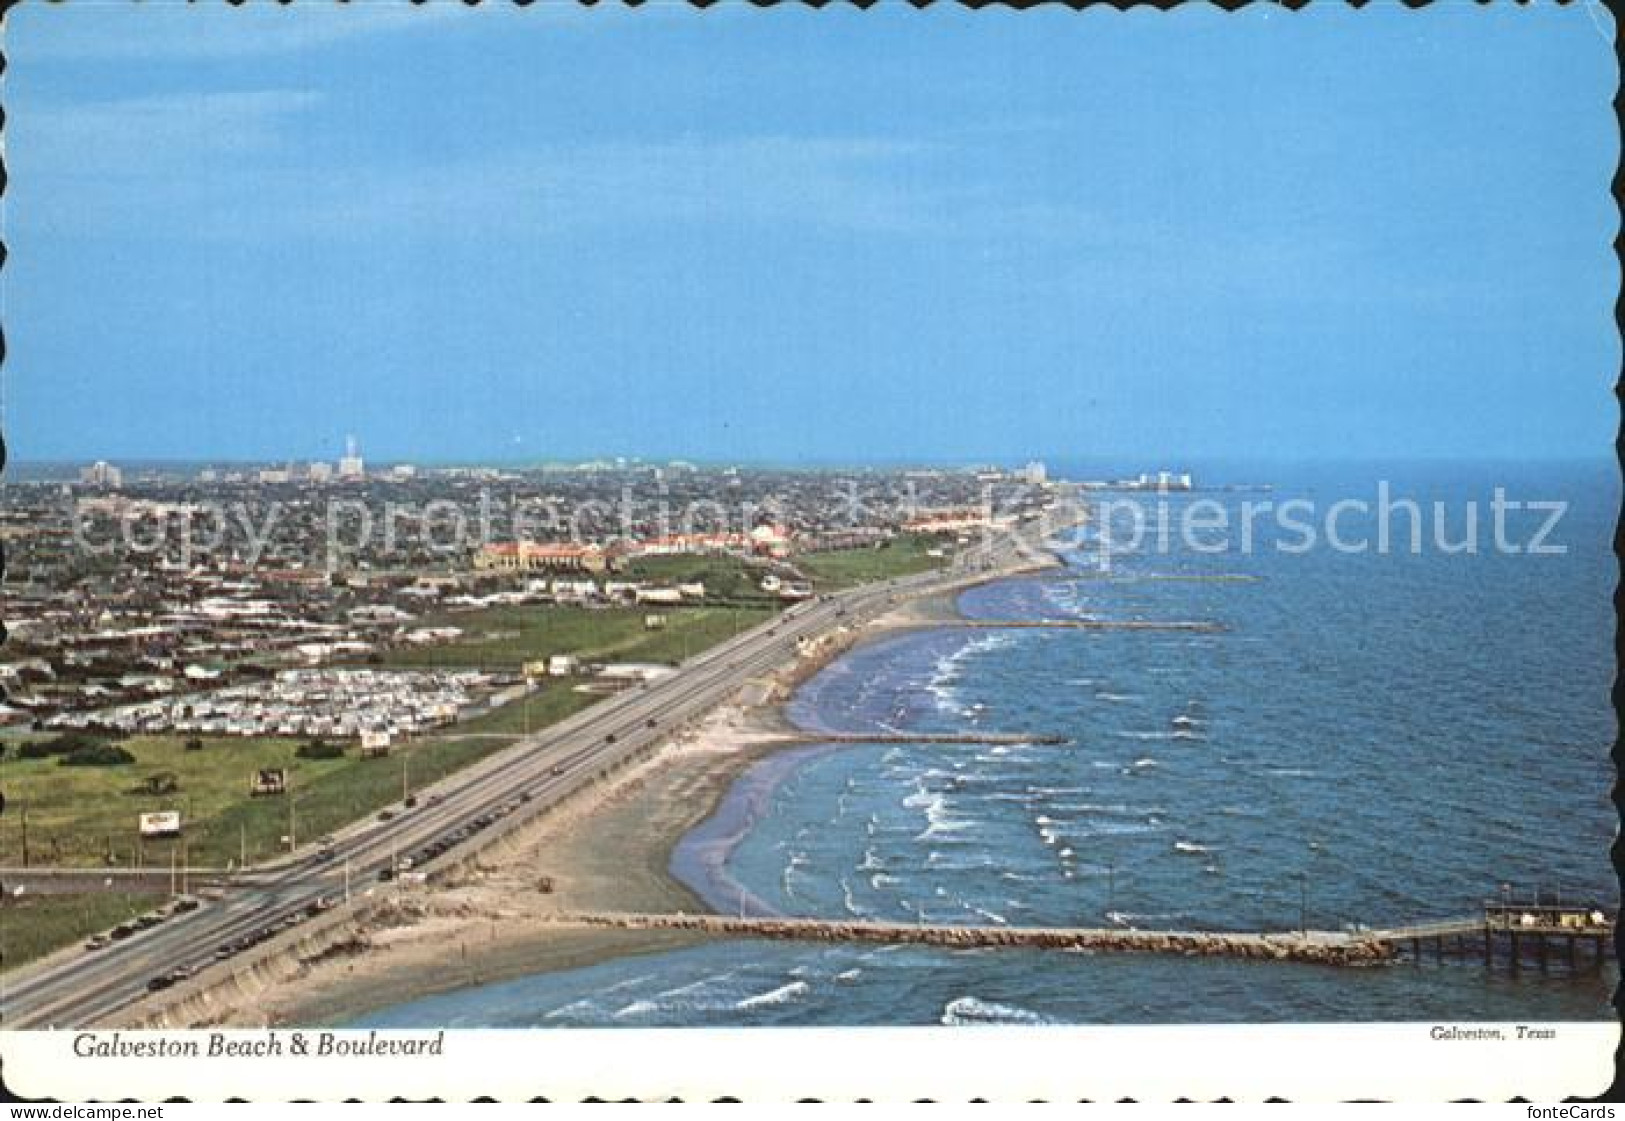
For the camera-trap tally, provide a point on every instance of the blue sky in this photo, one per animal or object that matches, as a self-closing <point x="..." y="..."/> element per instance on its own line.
<point x="787" y="234"/>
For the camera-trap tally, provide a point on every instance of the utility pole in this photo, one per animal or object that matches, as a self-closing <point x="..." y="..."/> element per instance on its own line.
<point x="25" y="835"/>
<point x="1303" y="903"/>
<point x="405" y="788"/>
<point x="1111" y="890"/>
<point x="172" y="869"/>
<point x="242" y="845"/>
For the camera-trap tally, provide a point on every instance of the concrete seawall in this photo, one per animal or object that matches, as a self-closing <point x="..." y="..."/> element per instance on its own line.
<point x="227" y="986"/>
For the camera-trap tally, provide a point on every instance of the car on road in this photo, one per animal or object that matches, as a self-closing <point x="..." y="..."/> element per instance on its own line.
<point x="386" y="815"/>
<point x="97" y="942"/>
<point x="163" y="981"/>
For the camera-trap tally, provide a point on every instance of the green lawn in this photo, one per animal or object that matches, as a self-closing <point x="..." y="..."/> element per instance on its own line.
<point x="725" y="578"/>
<point x="74" y="814"/>
<point x="32" y="926"/>
<point x="507" y="637"/>
<point x="901" y="556"/>
<point x="549" y="705"/>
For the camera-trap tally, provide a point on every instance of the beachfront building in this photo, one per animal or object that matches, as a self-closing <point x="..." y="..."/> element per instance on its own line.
<point x="529" y="556"/>
<point x="955" y="520"/>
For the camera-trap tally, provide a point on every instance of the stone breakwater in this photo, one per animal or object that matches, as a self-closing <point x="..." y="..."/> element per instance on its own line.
<point x="1317" y="947"/>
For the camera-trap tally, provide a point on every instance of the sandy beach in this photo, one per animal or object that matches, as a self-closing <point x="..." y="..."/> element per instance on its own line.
<point x="605" y="849"/>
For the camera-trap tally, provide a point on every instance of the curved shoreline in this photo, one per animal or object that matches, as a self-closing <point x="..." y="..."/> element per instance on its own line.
<point x="611" y="848"/>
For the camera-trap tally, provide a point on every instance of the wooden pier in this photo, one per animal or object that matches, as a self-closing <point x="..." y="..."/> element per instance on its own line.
<point x="1516" y="936"/>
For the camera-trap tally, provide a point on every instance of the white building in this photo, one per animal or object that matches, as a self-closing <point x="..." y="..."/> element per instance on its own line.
<point x="102" y="474"/>
<point x="320" y="472"/>
<point x="351" y="466"/>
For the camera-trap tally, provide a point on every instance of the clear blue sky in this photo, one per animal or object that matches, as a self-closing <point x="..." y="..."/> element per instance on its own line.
<point x="521" y="234"/>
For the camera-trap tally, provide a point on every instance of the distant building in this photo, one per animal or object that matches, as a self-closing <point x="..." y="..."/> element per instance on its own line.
<point x="527" y="556"/>
<point x="320" y="472"/>
<point x="351" y="466"/>
<point x="1035" y="474"/>
<point x="947" y="520"/>
<point x="1163" y="481"/>
<point x="102" y="474"/>
<point x="274" y="476"/>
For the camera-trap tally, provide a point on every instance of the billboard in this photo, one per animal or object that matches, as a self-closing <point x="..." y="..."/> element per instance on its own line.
<point x="165" y="824"/>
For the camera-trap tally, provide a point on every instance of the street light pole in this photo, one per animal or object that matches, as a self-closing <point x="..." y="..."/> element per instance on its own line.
<point x="1303" y="903"/>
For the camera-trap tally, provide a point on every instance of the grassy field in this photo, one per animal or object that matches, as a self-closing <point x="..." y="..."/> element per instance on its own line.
<point x="32" y="926"/>
<point x="549" y="705"/>
<point x="901" y="556"/>
<point x="507" y="637"/>
<point x="75" y="814"/>
<point x="725" y="578"/>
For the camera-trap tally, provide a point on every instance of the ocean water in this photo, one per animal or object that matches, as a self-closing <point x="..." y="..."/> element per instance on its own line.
<point x="1371" y="739"/>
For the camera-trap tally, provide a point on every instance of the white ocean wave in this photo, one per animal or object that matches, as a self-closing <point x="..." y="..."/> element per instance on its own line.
<point x="967" y="1011"/>
<point x="781" y="995"/>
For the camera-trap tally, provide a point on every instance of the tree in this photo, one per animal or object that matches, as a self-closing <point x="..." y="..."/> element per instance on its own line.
<point x="320" y="749"/>
<point x="97" y="755"/>
<point x="164" y="782"/>
<point x="194" y="744"/>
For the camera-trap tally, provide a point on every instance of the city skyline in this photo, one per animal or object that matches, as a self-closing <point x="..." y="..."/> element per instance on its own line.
<point x="1350" y="231"/>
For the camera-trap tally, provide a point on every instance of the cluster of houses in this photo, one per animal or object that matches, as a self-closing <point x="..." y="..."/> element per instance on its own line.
<point x="374" y="705"/>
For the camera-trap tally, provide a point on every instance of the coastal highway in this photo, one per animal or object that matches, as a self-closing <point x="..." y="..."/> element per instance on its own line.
<point x="88" y="987"/>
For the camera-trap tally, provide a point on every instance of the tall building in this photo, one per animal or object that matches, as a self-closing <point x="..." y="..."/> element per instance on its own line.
<point x="351" y="466"/>
<point x="320" y="472"/>
<point x="1035" y="474"/>
<point x="102" y="474"/>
